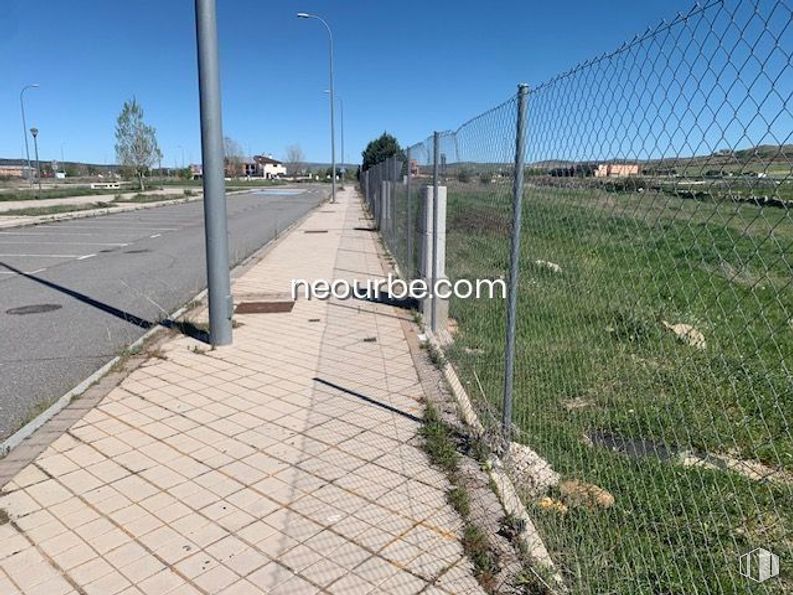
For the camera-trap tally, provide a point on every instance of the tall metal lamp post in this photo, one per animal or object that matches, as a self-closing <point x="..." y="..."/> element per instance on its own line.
<point x="341" y="117"/>
<point x="215" y="222"/>
<point x="306" y="15"/>
<point x="35" y="133"/>
<point x="25" y="126"/>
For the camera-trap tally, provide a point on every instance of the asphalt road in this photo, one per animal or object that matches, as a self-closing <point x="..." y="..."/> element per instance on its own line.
<point x="74" y="294"/>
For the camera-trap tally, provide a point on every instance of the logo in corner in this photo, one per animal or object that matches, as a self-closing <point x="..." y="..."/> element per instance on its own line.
<point x="759" y="565"/>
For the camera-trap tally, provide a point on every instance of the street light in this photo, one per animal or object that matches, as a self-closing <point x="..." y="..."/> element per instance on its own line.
<point x="341" y="113"/>
<point x="306" y="15"/>
<point x="221" y="303"/>
<point x="25" y="126"/>
<point x="35" y="132"/>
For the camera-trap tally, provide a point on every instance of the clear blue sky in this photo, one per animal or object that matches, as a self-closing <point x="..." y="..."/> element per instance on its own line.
<point x="409" y="66"/>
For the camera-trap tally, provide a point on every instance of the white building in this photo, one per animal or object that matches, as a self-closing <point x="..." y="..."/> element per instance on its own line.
<point x="269" y="168"/>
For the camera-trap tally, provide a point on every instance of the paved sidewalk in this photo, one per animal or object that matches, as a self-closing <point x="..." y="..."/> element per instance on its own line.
<point x="287" y="463"/>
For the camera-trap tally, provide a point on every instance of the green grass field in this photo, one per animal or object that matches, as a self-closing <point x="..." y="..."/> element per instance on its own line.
<point x="596" y="367"/>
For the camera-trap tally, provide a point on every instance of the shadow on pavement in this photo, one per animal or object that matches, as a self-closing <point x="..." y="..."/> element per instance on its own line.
<point x="369" y="400"/>
<point x="186" y="328"/>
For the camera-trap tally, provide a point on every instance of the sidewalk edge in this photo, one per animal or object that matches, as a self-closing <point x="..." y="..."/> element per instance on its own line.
<point x="26" y="431"/>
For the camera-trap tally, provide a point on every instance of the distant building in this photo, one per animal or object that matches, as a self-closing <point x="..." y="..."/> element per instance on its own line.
<point x="261" y="166"/>
<point x="14" y="171"/>
<point x="196" y="171"/>
<point x="267" y="167"/>
<point x="616" y="170"/>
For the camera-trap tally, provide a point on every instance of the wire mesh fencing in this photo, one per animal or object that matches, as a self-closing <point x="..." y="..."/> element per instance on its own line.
<point x="654" y="327"/>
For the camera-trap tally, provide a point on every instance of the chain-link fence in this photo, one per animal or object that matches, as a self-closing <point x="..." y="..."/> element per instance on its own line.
<point x="654" y="324"/>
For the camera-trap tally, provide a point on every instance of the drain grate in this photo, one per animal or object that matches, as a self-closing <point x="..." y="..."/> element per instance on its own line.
<point x="33" y="309"/>
<point x="263" y="307"/>
<point x="316" y="231"/>
<point x="364" y="229"/>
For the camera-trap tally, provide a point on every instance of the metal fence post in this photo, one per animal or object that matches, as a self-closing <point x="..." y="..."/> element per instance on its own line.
<point x="215" y="224"/>
<point x="409" y="226"/>
<point x="514" y="259"/>
<point x="435" y="149"/>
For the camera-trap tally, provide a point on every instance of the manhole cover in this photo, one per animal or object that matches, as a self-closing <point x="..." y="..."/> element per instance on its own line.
<point x="34" y="309"/>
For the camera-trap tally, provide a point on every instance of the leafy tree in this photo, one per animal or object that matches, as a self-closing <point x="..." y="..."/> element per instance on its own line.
<point x="136" y="142"/>
<point x="379" y="150"/>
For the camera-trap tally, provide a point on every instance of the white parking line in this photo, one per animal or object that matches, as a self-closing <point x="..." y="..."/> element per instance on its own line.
<point x="45" y="255"/>
<point x="43" y="233"/>
<point x="24" y="272"/>
<point x="67" y="243"/>
<point x="87" y="256"/>
<point x="123" y="228"/>
<point x="156" y="235"/>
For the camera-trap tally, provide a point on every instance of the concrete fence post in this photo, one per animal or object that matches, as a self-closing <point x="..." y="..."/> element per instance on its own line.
<point x="433" y="255"/>
<point x="383" y="221"/>
<point x="367" y="197"/>
<point x="375" y="183"/>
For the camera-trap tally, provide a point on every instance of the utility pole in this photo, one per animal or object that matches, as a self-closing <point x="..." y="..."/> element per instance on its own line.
<point x="215" y="224"/>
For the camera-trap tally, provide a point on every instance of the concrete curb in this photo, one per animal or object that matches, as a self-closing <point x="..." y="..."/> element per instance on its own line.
<point x="505" y="489"/>
<point x="529" y="537"/>
<point x="7" y="445"/>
